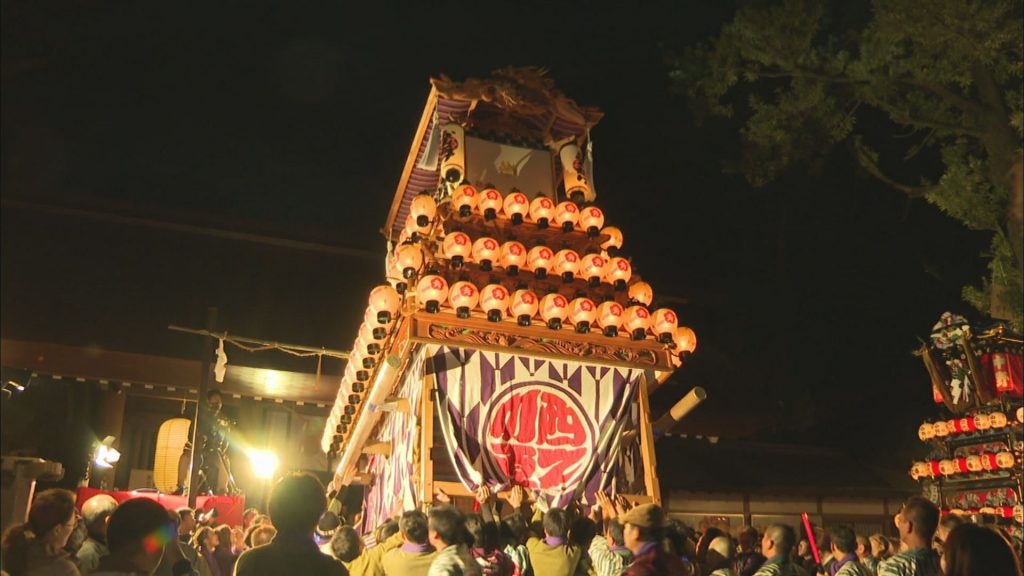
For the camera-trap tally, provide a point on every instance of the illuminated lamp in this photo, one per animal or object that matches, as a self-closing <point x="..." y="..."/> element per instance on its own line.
<point x="413" y="230"/>
<point x="485" y="252"/>
<point x="641" y="293"/>
<point x="974" y="463"/>
<point x="465" y="199"/>
<point x="981" y="422"/>
<point x="941" y="429"/>
<point x="410" y="259"/>
<point x="609" y="317"/>
<point x="636" y="320"/>
<point x="384" y="302"/>
<point x="360" y="358"/>
<point x="619" y="272"/>
<point x="541" y="211"/>
<point x="933" y="467"/>
<point x="430" y="291"/>
<point x="614" y="242"/>
<point x="516" y="206"/>
<point x="380" y="329"/>
<point x="538" y="259"/>
<point x="524" y="306"/>
<point x="494" y="301"/>
<point x="452" y="151"/>
<point x="965" y="425"/>
<point x="394" y="276"/>
<point x="1018" y="514"/>
<point x="463" y="297"/>
<point x="423" y="208"/>
<point x="489" y="203"/>
<point x="567" y="263"/>
<point x="366" y="351"/>
<point x="1005" y="460"/>
<point x="457" y="247"/>
<point x="354" y="399"/>
<point x="914" y="472"/>
<point x="947" y="468"/>
<point x="925" y="432"/>
<point x="369" y="339"/>
<point x="593" y="267"/>
<point x="582" y="312"/>
<point x="997" y="420"/>
<point x="513" y="255"/>
<point x="567" y="214"/>
<point x="988" y="462"/>
<point x="924" y="469"/>
<point x="960" y="465"/>
<point x="1020" y="414"/>
<point x="591" y="220"/>
<point x="685" y="340"/>
<point x="664" y="324"/>
<point x="554" y="308"/>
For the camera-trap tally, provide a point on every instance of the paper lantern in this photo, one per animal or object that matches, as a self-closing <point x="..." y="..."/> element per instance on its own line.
<point x="538" y="259"/>
<point x="965" y="425"/>
<point x="423" y="208"/>
<point x="413" y="230"/>
<point x="619" y="272"/>
<point x="946" y="467"/>
<point x="593" y="268"/>
<point x="641" y="293"/>
<point x="465" y="199"/>
<point x="574" y="177"/>
<point x="384" y="302"/>
<point x="609" y="317"/>
<point x="636" y="320"/>
<point x="356" y="374"/>
<point x="934" y="470"/>
<point x="369" y="338"/>
<point x="664" y="323"/>
<point x="380" y="329"/>
<point x="614" y="242"/>
<point x="567" y="214"/>
<point x="685" y="340"/>
<point x="513" y="255"/>
<point x="360" y="358"/>
<point x="541" y="211"/>
<point x="997" y="420"/>
<point x="591" y="220"/>
<point x="925" y="432"/>
<point x="410" y="259"/>
<point x="960" y="465"/>
<point x="982" y="422"/>
<point x="170" y="443"/>
<point x="524" y="306"/>
<point x="1020" y="414"/>
<point x="941" y="429"/>
<point x="452" y="153"/>
<point x="582" y="312"/>
<point x="989" y="462"/>
<point x="494" y="301"/>
<point x="463" y="297"/>
<point x="1005" y="460"/>
<point x="430" y="291"/>
<point x="566" y="263"/>
<point x="457" y="247"/>
<point x="554" y="308"/>
<point x="395" y="277"/>
<point x="485" y="251"/>
<point x="366" y="349"/>
<point x="490" y="201"/>
<point x="974" y="463"/>
<point x="516" y="206"/>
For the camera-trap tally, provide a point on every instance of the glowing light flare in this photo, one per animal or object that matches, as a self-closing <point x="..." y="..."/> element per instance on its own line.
<point x="264" y="463"/>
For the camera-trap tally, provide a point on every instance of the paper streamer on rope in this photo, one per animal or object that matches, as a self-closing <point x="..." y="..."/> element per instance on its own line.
<point x="221" y="367"/>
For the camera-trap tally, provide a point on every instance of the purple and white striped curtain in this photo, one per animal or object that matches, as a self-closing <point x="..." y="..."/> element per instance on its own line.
<point x="552" y="426"/>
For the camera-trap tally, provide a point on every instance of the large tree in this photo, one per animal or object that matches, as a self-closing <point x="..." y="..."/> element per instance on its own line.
<point x="926" y="94"/>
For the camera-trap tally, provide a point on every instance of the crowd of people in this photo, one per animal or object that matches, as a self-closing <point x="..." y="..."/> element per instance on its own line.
<point x="511" y="536"/>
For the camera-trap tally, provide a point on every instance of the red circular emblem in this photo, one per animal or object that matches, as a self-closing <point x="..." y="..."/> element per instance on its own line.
<point x="466" y="290"/>
<point x="437" y="283"/>
<point x="460" y="239"/>
<point x="490" y="244"/>
<point x="560" y="301"/>
<point x="642" y="313"/>
<point x="527" y="298"/>
<point x="670" y="316"/>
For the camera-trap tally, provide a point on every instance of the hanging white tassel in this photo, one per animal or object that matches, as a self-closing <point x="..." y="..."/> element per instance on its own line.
<point x="221" y="367"/>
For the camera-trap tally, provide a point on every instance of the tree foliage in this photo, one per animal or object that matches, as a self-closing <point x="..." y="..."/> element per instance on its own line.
<point x="803" y="76"/>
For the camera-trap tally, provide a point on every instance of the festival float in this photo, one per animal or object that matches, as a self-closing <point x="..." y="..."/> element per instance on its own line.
<point x="512" y="343"/>
<point x="974" y="467"/>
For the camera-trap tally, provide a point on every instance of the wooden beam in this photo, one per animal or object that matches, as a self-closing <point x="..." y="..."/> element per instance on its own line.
<point x="410" y="162"/>
<point x="647" y="447"/>
<point x="427" y="441"/>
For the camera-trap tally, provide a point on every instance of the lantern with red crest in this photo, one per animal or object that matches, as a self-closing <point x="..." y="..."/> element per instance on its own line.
<point x="494" y="301"/>
<point x="554" y="308"/>
<point x="384" y="302"/>
<point x="664" y="323"/>
<point x="567" y="214"/>
<point x="541" y="211"/>
<point x="464" y="199"/>
<point x="516" y="206"/>
<point x="524" y="306"/>
<point x="423" y="208"/>
<point x="485" y="251"/>
<point x="413" y="230"/>
<point x="593" y="268"/>
<point x="618" y="272"/>
<point x="513" y="255"/>
<point x="567" y="263"/>
<point x="582" y="312"/>
<point x="614" y="242"/>
<point x="489" y="203"/>
<point x="430" y="291"/>
<point x="641" y="293"/>
<point x="410" y="259"/>
<point x="609" y="317"/>
<point x="538" y="259"/>
<point x="636" y="320"/>
<point x="457" y="247"/>
<point x="591" y="220"/>
<point x="685" y="340"/>
<point x="463" y="297"/>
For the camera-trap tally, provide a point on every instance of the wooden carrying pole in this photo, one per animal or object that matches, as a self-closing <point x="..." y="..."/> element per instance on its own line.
<point x="680" y="410"/>
<point x="207" y="348"/>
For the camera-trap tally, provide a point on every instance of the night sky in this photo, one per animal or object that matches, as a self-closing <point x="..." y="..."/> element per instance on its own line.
<point x="294" y="120"/>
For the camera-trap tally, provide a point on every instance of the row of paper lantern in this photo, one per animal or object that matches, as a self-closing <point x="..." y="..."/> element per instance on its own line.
<point x="987" y="462"/>
<point x="512" y="256"/>
<point x="956" y="426"/>
<point x="516" y="207"/>
<point x="1016" y="511"/>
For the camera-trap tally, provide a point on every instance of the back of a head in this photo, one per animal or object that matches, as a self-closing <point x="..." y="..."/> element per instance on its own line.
<point x="448" y="522"/>
<point x="844" y="538"/>
<point x="386" y="530"/>
<point x="138" y="523"/>
<point x="582" y="532"/>
<point x="673" y="537"/>
<point x="721" y="553"/>
<point x="950" y="521"/>
<point x="345" y="544"/>
<point x="296" y="503"/>
<point x="514" y="529"/>
<point x="223" y="536"/>
<point x="972" y="550"/>
<point x="263" y="535"/>
<point x="923" y="514"/>
<point x="475" y="530"/>
<point x="96" y="510"/>
<point x="748" y="538"/>
<point x="783" y="536"/>
<point x="705" y="541"/>
<point x="414" y="526"/>
<point x="556" y="523"/>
